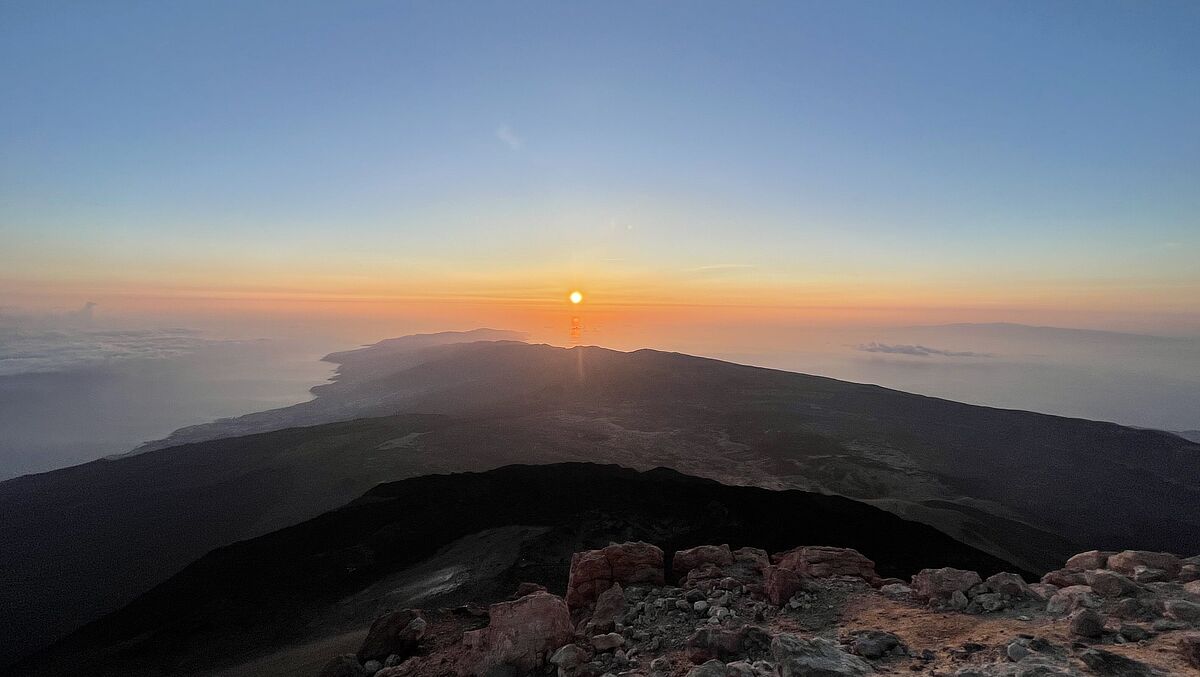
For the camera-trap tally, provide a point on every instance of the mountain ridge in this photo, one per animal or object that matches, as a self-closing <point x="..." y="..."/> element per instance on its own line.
<point x="250" y="589"/>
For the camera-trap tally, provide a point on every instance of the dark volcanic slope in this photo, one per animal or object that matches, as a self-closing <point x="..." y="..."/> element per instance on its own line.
<point x="276" y="588"/>
<point x="1029" y="488"/>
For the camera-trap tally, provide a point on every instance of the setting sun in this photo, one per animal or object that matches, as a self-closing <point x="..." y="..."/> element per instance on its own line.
<point x="576" y="297"/>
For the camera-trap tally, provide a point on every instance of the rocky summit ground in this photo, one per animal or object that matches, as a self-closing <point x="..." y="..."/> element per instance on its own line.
<point x="816" y="611"/>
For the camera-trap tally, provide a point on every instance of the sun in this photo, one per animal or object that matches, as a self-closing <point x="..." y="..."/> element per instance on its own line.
<point x="576" y="297"/>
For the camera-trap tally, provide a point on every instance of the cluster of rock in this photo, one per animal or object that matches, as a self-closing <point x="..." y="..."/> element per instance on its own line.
<point x="744" y="613"/>
<point x="1118" y="592"/>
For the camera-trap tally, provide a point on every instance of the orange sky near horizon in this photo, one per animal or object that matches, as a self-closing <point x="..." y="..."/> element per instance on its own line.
<point x="624" y="313"/>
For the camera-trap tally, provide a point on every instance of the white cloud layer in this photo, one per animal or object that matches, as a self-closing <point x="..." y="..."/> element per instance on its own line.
<point x="29" y="351"/>
<point x="916" y="350"/>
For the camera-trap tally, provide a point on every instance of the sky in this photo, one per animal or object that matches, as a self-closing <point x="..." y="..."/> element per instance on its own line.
<point x="844" y="162"/>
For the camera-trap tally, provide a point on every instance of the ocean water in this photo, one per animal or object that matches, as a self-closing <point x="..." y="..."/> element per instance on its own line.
<point x="70" y="396"/>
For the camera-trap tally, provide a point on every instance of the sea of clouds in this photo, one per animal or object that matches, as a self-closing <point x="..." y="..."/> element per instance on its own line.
<point x="31" y="351"/>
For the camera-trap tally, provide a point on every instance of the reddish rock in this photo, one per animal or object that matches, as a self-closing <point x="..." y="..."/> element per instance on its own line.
<point x="594" y="571"/>
<point x="396" y="633"/>
<point x="1126" y="562"/>
<point x="1110" y="583"/>
<point x="1042" y="591"/>
<point x="521" y="634"/>
<point x="1128" y="608"/>
<point x="754" y="556"/>
<point x="821" y="561"/>
<point x="527" y="589"/>
<point x="686" y="560"/>
<point x="1192" y="588"/>
<point x="1064" y="578"/>
<point x="1010" y="585"/>
<point x="1071" y="598"/>
<point x="705" y="577"/>
<point x="939" y="585"/>
<point x="1189" y="572"/>
<point x="780" y="584"/>
<point x="610" y="606"/>
<point x="1092" y="559"/>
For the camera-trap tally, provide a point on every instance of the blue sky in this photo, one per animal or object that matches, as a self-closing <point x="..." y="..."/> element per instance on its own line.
<point x="1051" y="148"/>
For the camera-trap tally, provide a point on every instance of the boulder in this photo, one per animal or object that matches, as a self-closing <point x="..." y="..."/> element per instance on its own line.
<point x="727" y="643"/>
<point x="1127" y="607"/>
<point x="686" y="560"/>
<point x="1015" y="651"/>
<point x="569" y="657"/>
<point x="520" y="634"/>
<point x="1192" y="588"/>
<point x="821" y="561"/>
<point x="1189" y="572"/>
<point x="939" y="585"/>
<point x="729" y="583"/>
<point x="780" y="584"/>
<point x="608" y="641"/>
<point x="594" y="571"/>
<point x="397" y="633"/>
<point x="1042" y="591"/>
<point x="814" y="657"/>
<point x="874" y="643"/>
<point x="704" y="572"/>
<point x="1009" y="585"/>
<point x="741" y="669"/>
<point x="1168" y="625"/>
<point x="756" y="557"/>
<point x="1110" y="583"/>
<point x="1087" y="623"/>
<point x="986" y="602"/>
<point x="346" y="665"/>
<point x="1064" y="578"/>
<point x="1127" y="561"/>
<point x="1189" y="646"/>
<point x="1072" y="598"/>
<point x="1092" y="559"/>
<point x="713" y="668"/>
<point x="610" y="607"/>
<point x="1182" y="610"/>
<point x="1147" y="575"/>
<point x="1131" y="632"/>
